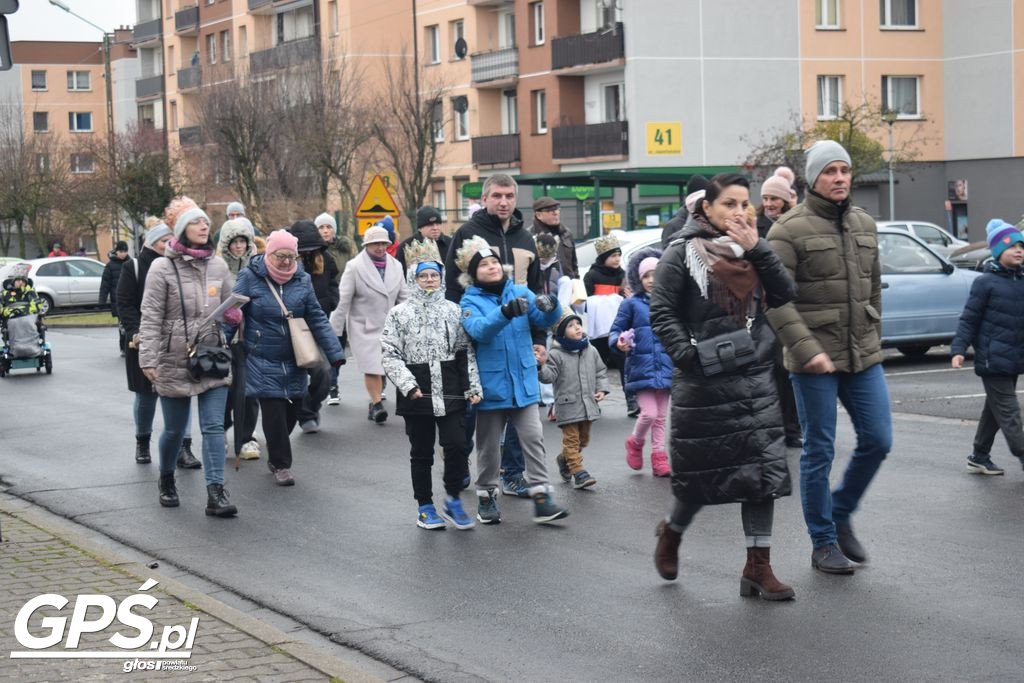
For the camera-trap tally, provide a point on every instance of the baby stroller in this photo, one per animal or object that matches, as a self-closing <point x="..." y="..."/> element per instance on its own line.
<point x="24" y="342"/>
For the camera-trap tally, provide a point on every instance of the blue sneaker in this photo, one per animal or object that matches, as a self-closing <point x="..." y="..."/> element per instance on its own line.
<point x="515" y="486"/>
<point x="453" y="512"/>
<point x="487" y="507"/>
<point x="428" y="518"/>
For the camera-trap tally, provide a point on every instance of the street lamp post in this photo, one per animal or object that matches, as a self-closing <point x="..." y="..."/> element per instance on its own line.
<point x="889" y="116"/>
<point x="110" y="111"/>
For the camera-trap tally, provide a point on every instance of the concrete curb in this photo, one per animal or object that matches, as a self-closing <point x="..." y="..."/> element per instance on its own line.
<point x="312" y="657"/>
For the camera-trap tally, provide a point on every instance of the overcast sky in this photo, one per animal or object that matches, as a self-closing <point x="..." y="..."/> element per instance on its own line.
<point x="39" y="20"/>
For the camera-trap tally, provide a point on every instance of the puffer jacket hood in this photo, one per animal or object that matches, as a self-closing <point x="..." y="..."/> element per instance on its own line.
<point x="633" y="267"/>
<point x="9" y="282"/>
<point x="228" y="232"/>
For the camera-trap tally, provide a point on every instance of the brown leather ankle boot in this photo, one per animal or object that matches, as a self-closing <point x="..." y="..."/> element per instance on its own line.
<point x="666" y="552"/>
<point x="758" y="578"/>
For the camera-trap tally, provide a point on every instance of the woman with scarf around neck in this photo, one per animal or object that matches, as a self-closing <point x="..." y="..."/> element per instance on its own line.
<point x="192" y="275"/>
<point x="727" y="442"/>
<point x="271" y="375"/>
<point x="371" y="284"/>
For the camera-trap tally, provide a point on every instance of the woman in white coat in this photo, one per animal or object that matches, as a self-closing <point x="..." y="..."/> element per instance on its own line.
<point x="371" y="284"/>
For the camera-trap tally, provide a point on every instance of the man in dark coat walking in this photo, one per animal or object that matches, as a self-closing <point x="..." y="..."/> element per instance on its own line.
<point x="117" y="256"/>
<point x="428" y="226"/>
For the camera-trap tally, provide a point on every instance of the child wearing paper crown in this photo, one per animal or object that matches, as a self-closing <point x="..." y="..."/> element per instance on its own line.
<point x="581" y="383"/>
<point x="648" y="366"/>
<point x="993" y="323"/>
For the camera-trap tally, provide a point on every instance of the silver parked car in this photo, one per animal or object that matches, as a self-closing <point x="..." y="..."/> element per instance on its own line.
<point x="935" y="237"/>
<point x="63" y="281"/>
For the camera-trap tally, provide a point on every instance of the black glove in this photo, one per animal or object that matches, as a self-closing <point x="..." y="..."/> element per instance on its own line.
<point x="518" y="306"/>
<point x="546" y="302"/>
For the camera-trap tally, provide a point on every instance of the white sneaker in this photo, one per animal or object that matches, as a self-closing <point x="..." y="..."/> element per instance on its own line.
<point x="250" y="451"/>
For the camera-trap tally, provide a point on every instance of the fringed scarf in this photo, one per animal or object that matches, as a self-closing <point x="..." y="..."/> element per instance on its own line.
<point x="723" y="276"/>
<point x="189" y="252"/>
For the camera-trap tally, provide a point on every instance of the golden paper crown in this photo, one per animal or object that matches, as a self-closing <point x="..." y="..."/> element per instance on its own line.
<point x="421" y="252"/>
<point x="606" y="243"/>
<point x="471" y="248"/>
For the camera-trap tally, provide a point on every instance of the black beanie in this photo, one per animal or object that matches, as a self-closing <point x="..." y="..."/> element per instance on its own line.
<point x="121" y="246"/>
<point x="697" y="183"/>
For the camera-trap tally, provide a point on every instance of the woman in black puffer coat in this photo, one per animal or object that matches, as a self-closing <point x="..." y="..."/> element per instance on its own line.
<point x="727" y="441"/>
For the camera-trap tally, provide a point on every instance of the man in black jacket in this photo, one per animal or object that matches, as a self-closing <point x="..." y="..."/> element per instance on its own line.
<point x="108" y="284"/>
<point x="428" y="226"/>
<point x="547" y="218"/>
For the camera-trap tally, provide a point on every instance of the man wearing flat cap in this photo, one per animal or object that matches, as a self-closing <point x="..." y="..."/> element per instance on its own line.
<point x="547" y="218"/>
<point x="428" y="227"/>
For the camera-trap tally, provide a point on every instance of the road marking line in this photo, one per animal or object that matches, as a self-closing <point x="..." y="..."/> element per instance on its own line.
<point x="925" y="372"/>
<point x="944" y="398"/>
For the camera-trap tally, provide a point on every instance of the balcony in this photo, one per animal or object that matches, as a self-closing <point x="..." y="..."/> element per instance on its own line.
<point x="261" y="6"/>
<point x="186" y="21"/>
<point x="149" y="86"/>
<point x="496" y="150"/>
<point x="190" y="135"/>
<point x="147" y="32"/>
<point x="496" y="68"/>
<point x="189" y="78"/>
<point x="587" y="49"/>
<point x="284" y="55"/>
<point x="595" y="140"/>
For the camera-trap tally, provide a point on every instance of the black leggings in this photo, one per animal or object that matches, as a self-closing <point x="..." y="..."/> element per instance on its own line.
<point x="279" y="418"/>
<point x="451" y="433"/>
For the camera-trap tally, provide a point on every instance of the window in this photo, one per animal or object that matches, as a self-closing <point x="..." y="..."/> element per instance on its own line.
<point x="440" y="199"/>
<point x="903" y="255"/>
<point x="829" y="97"/>
<point x="174" y="115"/>
<point x="80" y="121"/>
<point x="225" y="46"/>
<point x="78" y="80"/>
<point x="211" y="48"/>
<point x="902" y="94"/>
<point x="39" y="80"/>
<point x="438" y="115"/>
<point x="433" y="45"/>
<point x="509" y="113"/>
<point x="537" y="22"/>
<point x="899" y="13"/>
<point x="58" y="269"/>
<point x="929" y="234"/>
<point x="332" y="16"/>
<point x="42" y="165"/>
<point x="826" y="13"/>
<point x="540" y="112"/>
<point x="614" y="104"/>
<point x="608" y="13"/>
<point x="82" y="163"/>
<point x="40" y="121"/>
<point x="147" y="116"/>
<point x="294" y="25"/>
<point x="461" y="120"/>
<point x="83" y="268"/>
<point x="457" y="30"/>
<point x="170" y="59"/>
<point x="506" y="30"/>
<point x="243" y="41"/>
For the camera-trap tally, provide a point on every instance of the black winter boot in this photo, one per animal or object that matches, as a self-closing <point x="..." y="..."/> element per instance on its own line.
<point x="168" y="492"/>
<point x="217" y="504"/>
<point x="142" y="450"/>
<point x="186" y="460"/>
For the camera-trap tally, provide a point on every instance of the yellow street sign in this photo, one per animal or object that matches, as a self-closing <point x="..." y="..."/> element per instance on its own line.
<point x="611" y="220"/>
<point x="364" y="223"/>
<point x="664" y="137"/>
<point x="377" y="201"/>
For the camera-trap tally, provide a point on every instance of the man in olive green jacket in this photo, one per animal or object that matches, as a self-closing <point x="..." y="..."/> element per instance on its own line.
<point x="832" y="335"/>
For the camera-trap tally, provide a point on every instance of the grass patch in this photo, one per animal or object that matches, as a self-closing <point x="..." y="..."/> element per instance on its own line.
<point x="97" y="319"/>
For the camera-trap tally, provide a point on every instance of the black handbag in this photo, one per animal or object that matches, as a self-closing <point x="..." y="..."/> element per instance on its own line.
<point x="204" y="360"/>
<point x="727" y="352"/>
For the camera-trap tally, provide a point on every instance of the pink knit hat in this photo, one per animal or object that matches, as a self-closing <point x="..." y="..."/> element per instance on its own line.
<point x="776" y="186"/>
<point x="647" y="265"/>
<point x="282" y="239"/>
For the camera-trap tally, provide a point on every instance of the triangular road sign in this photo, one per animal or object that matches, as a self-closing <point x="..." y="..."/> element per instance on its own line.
<point x="377" y="201"/>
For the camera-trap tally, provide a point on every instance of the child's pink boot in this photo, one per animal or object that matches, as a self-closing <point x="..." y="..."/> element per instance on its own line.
<point x="634" y="453"/>
<point x="659" y="464"/>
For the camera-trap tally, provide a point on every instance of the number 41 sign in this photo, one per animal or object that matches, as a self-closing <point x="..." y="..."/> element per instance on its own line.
<point x="664" y="137"/>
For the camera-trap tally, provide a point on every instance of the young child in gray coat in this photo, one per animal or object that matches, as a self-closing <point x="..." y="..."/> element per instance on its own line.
<point x="581" y="383"/>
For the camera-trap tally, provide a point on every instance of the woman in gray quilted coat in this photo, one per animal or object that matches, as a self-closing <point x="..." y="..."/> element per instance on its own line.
<point x="182" y="289"/>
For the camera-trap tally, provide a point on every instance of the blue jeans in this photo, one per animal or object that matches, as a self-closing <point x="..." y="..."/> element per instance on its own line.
<point x="144" y="410"/>
<point x="865" y="396"/>
<point x="512" y="464"/>
<point x="211" y="424"/>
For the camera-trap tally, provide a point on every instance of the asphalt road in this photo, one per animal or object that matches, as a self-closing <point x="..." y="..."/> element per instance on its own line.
<point x="340" y="551"/>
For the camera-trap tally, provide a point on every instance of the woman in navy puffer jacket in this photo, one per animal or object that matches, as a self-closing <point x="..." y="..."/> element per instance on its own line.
<point x="271" y="373"/>
<point x="648" y="367"/>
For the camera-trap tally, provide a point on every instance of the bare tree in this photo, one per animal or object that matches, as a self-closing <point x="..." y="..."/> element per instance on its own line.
<point x="408" y="133"/>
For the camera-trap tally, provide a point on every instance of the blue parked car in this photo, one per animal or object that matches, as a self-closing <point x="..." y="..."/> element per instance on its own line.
<point x="923" y="294"/>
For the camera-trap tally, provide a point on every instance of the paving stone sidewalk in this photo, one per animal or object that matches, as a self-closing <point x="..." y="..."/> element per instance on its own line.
<point x="34" y="561"/>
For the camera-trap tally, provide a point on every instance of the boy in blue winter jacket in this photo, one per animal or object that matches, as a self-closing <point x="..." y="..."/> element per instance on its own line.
<point x="497" y="315"/>
<point x="993" y="323"/>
